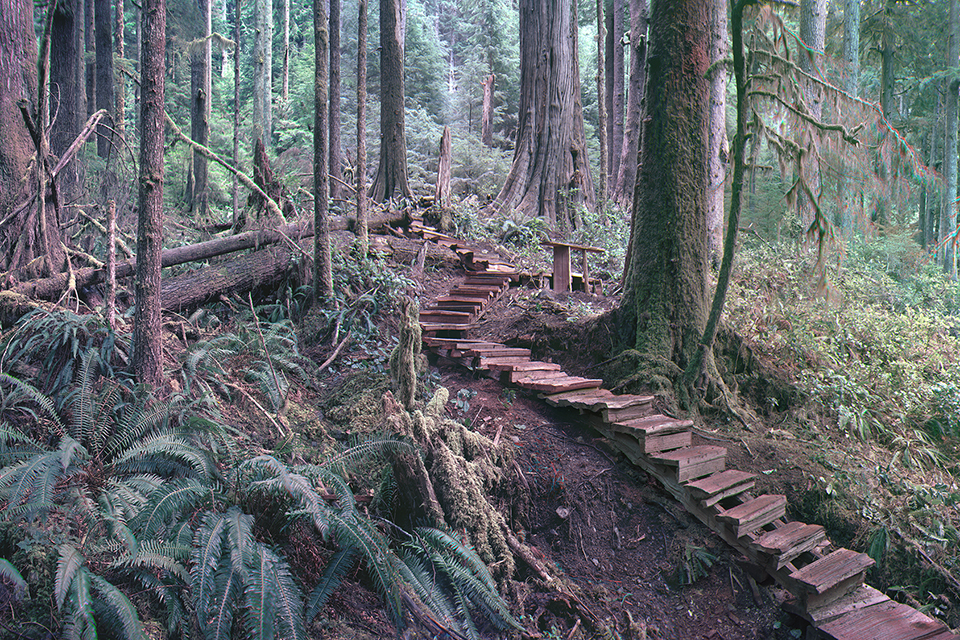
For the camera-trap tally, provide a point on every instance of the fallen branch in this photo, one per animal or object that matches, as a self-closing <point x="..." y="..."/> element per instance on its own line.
<point x="335" y="353"/>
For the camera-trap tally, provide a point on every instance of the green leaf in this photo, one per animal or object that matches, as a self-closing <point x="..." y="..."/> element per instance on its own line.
<point x="9" y="572"/>
<point x="70" y="561"/>
<point x="334" y="573"/>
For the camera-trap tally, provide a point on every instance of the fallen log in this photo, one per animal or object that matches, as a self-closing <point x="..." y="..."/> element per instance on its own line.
<point x="263" y="268"/>
<point x="51" y="288"/>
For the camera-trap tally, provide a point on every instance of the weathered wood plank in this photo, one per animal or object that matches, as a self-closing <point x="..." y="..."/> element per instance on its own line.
<point x="860" y="598"/>
<point x="726" y="484"/>
<point x="754" y="514"/>
<point x="789" y="541"/>
<point x="829" y="571"/>
<point x="884" y="621"/>
<point x="656" y="424"/>
<point x="515" y="376"/>
<point x="584" y="399"/>
<point x="558" y="385"/>
<point x="693" y="462"/>
<point x="625" y="401"/>
<point x="497" y="351"/>
<point x="516" y="364"/>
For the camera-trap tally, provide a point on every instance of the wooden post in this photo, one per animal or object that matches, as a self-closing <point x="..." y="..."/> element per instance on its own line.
<point x="442" y="191"/>
<point x="561" y="268"/>
<point x="586" y="273"/>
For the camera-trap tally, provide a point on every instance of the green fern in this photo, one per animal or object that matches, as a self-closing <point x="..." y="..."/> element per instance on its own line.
<point x="9" y="573"/>
<point x="333" y="575"/>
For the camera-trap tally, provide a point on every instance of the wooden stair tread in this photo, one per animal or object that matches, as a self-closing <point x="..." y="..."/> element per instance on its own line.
<point x="680" y="456"/>
<point x="557" y="385"/>
<point x="444" y="326"/>
<point x="499" y="351"/>
<point x="466" y="307"/>
<point x="485" y="361"/>
<point x="884" y="621"/>
<point x="624" y="401"/>
<point x="580" y="399"/>
<point x="789" y="541"/>
<point x="517" y="364"/>
<point x="860" y="598"/>
<point x="656" y="425"/>
<point x="719" y="483"/>
<point x="475" y="297"/>
<point x="456" y="343"/>
<point x="534" y="377"/>
<point x="754" y="514"/>
<point x="829" y="571"/>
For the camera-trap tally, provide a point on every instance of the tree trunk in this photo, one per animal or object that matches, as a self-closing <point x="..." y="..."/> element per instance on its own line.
<point x="285" y="87"/>
<point x="201" y="60"/>
<point x="602" y="107"/>
<point x="90" y="65"/>
<point x="65" y="71"/>
<point x="550" y="163"/>
<point x="104" y="73"/>
<point x="120" y="97"/>
<point x="627" y="174"/>
<point x="30" y="238"/>
<point x="948" y="219"/>
<point x="614" y="81"/>
<point x="663" y="309"/>
<point x="851" y="46"/>
<point x="813" y="18"/>
<point x="322" y="260"/>
<point x="147" y="356"/>
<point x="361" y="193"/>
<point x="262" y="70"/>
<point x="391" y="178"/>
<point x="486" y="120"/>
<point x="717" y="145"/>
<point x="335" y="164"/>
<point x="442" y="192"/>
<point x="237" y="222"/>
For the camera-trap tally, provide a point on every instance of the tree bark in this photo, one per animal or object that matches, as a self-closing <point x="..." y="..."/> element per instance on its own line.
<point x="602" y="105"/>
<point x="813" y="19"/>
<point x="663" y="310"/>
<point x="486" y="119"/>
<point x="717" y="145"/>
<point x="335" y="160"/>
<point x="262" y="71"/>
<point x="237" y="222"/>
<point x="361" y="191"/>
<point x="104" y="73"/>
<point x="322" y="260"/>
<point x="65" y="70"/>
<point x="90" y="65"/>
<point x="627" y="174"/>
<point x="851" y="46"/>
<point x="441" y="195"/>
<point x="391" y="178"/>
<point x="147" y="356"/>
<point x="285" y="87"/>
<point x="614" y="95"/>
<point x="201" y="60"/>
<point x="550" y="164"/>
<point x="120" y="97"/>
<point x="948" y="219"/>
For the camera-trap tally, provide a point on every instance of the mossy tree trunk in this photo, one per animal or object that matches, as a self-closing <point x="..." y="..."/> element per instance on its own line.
<point x="664" y="306"/>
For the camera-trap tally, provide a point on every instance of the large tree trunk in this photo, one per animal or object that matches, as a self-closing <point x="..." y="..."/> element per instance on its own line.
<point x="813" y="20"/>
<point x="550" y="164"/>
<point x="90" y="65"/>
<point x="104" y="73"/>
<point x="285" y="86"/>
<point x="201" y="60"/>
<point x="262" y="71"/>
<point x="120" y="97"/>
<point x="441" y="194"/>
<point x="322" y="260"/>
<point x="717" y="146"/>
<point x="602" y="108"/>
<point x="948" y="219"/>
<point x="30" y="238"/>
<point x="66" y="96"/>
<point x="147" y="356"/>
<point x="663" y="310"/>
<point x="335" y="153"/>
<point x="237" y="222"/>
<point x="391" y="179"/>
<point x="614" y="93"/>
<point x="486" y="118"/>
<point x="361" y="192"/>
<point x="851" y="46"/>
<point x="627" y="174"/>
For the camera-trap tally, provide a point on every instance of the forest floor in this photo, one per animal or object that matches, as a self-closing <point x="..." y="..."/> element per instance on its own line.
<point x="633" y="553"/>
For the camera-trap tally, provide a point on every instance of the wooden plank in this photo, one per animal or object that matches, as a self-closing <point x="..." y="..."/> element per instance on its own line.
<point x="498" y="351"/>
<point x="754" y="514"/>
<point x="517" y="364"/>
<point x="485" y="362"/>
<point x="476" y="298"/>
<point x="515" y="376"/>
<point x="656" y="444"/>
<point x="790" y="541"/>
<point x="450" y="305"/>
<point x="718" y="483"/>
<point x="620" y="414"/>
<point x="693" y="462"/>
<point x="583" y="399"/>
<point x="860" y="598"/>
<point x="558" y="385"/>
<point x="451" y="342"/>
<point x="624" y="401"/>
<point x="884" y="621"/>
<point x="561" y="268"/>
<point x="449" y="317"/>
<point x="656" y="424"/>
<point x="443" y="326"/>
<point x="827" y="572"/>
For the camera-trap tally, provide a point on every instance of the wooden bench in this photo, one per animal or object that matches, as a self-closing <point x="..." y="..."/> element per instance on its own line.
<point x="562" y="274"/>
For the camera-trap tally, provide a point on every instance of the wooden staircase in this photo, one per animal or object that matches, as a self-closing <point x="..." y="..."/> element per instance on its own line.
<point x="827" y="583"/>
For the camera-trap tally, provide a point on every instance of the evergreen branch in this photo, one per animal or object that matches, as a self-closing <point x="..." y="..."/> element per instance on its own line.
<point x="333" y="574"/>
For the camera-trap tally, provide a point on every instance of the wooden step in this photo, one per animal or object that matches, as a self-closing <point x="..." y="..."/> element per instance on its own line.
<point x="473" y="297"/>
<point x="712" y="489"/>
<point x="789" y="541"/>
<point x="830" y="577"/>
<point x="491" y="290"/>
<point x="627" y="410"/>
<point x="626" y="401"/>
<point x="430" y="327"/>
<point x="860" y="598"/>
<point x="497" y="279"/>
<point x="498" y="351"/>
<point x="558" y="385"/>
<point x="523" y="364"/>
<point x="693" y="462"/>
<point x="657" y="433"/>
<point x="433" y="341"/>
<point x="582" y="399"/>
<point x="468" y="307"/>
<point x="450" y="317"/>
<point x="515" y="376"/>
<point x="754" y="514"/>
<point x="884" y="621"/>
<point x="484" y="362"/>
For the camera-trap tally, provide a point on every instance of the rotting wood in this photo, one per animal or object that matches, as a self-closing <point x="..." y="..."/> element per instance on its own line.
<point x="754" y="514"/>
